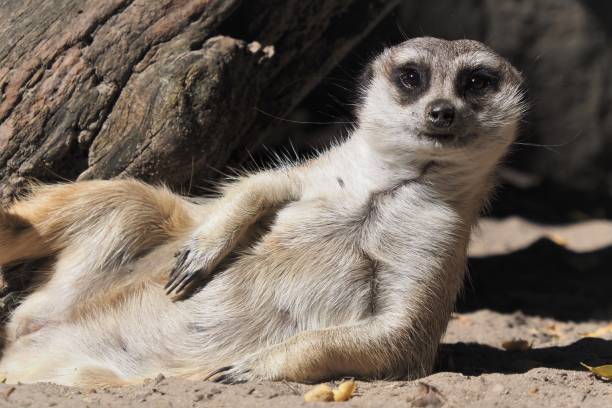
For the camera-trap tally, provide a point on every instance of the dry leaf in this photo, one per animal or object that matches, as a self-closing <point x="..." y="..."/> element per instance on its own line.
<point x="321" y="392"/>
<point x="604" y="371"/>
<point x="516" y="345"/>
<point x="345" y="391"/>
<point x="602" y="331"/>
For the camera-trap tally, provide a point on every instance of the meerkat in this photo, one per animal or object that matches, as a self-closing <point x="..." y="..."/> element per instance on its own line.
<point x="354" y="273"/>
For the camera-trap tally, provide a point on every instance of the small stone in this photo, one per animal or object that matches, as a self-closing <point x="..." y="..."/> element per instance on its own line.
<point x="269" y="51"/>
<point x="254" y="47"/>
<point x="428" y="397"/>
<point x="6" y="390"/>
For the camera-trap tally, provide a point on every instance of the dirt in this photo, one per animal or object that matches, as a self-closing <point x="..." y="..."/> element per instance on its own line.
<point x="546" y="285"/>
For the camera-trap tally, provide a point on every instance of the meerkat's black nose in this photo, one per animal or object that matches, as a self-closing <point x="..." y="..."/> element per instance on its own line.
<point x="440" y="114"/>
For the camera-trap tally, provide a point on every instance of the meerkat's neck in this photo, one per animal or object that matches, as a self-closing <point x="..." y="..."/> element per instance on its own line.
<point x="461" y="182"/>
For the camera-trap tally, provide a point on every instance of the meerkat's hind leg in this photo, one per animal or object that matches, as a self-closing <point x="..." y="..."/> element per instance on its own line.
<point x="101" y="228"/>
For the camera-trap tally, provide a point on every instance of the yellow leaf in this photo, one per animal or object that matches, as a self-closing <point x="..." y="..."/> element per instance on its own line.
<point x="324" y="393"/>
<point x="604" y="371"/>
<point x="602" y="331"/>
<point x="345" y="391"/>
<point x="321" y="392"/>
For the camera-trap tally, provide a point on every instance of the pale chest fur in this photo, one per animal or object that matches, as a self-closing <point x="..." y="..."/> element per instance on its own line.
<point x="331" y="259"/>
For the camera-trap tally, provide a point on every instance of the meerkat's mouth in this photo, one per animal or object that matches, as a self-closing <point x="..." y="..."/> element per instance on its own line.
<point x="440" y="137"/>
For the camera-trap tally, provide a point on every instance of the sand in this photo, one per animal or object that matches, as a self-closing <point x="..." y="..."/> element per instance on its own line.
<point x="546" y="285"/>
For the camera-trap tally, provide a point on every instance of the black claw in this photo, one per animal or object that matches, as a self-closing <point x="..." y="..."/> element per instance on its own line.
<point x="170" y="280"/>
<point x="173" y="274"/>
<point x="223" y="376"/>
<point x="175" y="283"/>
<point x="178" y="278"/>
<point x="180" y="282"/>
<point x="217" y="371"/>
<point x="181" y="258"/>
<point x="223" y="379"/>
<point x="185" y="281"/>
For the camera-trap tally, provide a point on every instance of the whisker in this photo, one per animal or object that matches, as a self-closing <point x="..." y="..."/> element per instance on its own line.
<point x="546" y="147"/>
<point x="302" y="122"/>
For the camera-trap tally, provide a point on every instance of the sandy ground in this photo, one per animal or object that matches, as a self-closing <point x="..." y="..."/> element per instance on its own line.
<point x="546" y="285"/>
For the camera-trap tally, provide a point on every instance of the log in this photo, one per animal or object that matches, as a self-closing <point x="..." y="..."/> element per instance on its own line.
<point x="166" y="90"/>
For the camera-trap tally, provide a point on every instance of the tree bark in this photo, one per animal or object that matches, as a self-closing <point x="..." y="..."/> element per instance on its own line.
<point x="163" y="90"/>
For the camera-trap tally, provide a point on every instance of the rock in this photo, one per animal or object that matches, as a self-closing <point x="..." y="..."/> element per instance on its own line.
<point x="167" y="91"/>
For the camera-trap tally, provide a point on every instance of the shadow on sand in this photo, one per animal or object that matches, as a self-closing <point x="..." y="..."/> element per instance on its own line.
<point x="476" y="359"/>
<point x="544" y="279"/>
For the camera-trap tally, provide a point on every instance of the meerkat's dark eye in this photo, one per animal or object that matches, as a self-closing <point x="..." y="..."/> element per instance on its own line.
<point x="410" y="78"/>
<point x="479" y="80"/>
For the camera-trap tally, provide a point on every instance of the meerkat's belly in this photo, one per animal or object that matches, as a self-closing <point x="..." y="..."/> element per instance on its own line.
<point x="306" y="273"/>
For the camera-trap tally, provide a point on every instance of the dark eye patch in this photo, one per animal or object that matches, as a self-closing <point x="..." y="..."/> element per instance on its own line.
<point x="411" y="81"/>
<point x="474" y="82"/>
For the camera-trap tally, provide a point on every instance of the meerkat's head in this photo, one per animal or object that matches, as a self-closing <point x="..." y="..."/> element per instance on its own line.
<point x="441" y="99"/>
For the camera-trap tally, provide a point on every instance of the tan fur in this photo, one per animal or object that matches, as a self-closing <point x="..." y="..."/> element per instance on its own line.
<point x="99" y="377"/>
<point x="346" y="265"/>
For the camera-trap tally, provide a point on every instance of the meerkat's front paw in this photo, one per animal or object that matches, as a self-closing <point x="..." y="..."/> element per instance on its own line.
<point x="191" y="263"/>
<point x="272" y="364"/>
<point x="231" y="375"/>
<point x="246" y="369"/>
<point x="196" y="261"/>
